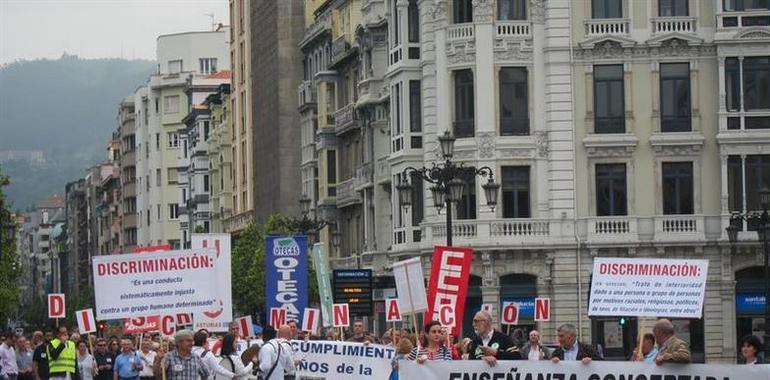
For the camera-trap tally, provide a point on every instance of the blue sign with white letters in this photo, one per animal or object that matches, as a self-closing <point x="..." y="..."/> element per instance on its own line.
<point x="749" y="303"/>
<point x="286" y="275"/>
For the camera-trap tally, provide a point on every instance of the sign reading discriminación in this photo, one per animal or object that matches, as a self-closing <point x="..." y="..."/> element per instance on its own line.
<point x="648" y="287"/>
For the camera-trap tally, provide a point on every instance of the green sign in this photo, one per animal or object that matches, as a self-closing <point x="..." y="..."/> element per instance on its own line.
<point x="321" y="264"/>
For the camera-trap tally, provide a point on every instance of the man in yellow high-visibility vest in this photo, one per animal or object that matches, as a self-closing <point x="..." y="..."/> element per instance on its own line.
<point x="62" y="357"/>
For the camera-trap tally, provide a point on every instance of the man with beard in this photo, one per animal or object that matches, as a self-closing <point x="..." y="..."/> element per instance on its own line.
<point x="488" y="344"/>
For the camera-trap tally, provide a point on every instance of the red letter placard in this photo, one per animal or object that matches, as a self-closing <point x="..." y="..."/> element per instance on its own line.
<point x="310" y="320"/>
<point x="341" y="314"/>
<point x="277" y="317"/>
<point x="86" y="321"/>
<point x="168" y="325"/>
<point x="246" y="326"/>
<point x="447" y="316"/>
<point x="449" y="282"/>
<point x="510" y="314"/>
<point x="392" y="310"/>
<point x="542" y="309"/>
<point x="56" y="307"/>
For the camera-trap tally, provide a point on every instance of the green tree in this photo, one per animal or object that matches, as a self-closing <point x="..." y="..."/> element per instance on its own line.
<point x="9" y="259"/>
<point x="248" y="266"/>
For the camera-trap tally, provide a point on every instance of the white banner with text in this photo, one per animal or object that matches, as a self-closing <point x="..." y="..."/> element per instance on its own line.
<point x="341" y="360"/>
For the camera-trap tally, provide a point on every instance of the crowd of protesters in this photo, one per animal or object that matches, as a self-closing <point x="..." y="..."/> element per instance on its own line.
<point x="66" y="355"/>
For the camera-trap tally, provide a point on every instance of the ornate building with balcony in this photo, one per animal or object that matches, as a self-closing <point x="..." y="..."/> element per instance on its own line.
<point x="126" y="133"/>
<point x="606" y="122"/>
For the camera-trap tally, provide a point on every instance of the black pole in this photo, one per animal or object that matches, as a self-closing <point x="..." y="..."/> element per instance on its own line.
<point x="764" y="226"/>
<point x="448" y="221"/>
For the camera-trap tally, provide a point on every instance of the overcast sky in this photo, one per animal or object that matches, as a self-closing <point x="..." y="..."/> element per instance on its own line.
<point x="31" y="29"/>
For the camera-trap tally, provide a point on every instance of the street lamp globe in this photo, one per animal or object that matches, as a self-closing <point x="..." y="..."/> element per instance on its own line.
<point x="447" y="142"/>
<point x="456" y="189"/>
<point x="404" y="193"/>
<point x="490" y="190"/>
<point x="304" y="204"/>
<point x="439" y="196"/>
<point x="336" y="238"/>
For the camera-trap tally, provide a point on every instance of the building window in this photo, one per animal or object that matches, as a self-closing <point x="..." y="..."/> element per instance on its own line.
<point x="173" y="176"/>
<point x="171" y="104"/>
<point x="757" y="177"/>
<point x="512" y="9"/>
<point x="514" y="102"/>
<point x="755" y="88"/>
<point x="206" y="127"/>
<point x="611" y="190"/>
<point x="607" y="8"/>
<point x="396" y="29"/>
<point x="206" y="183"/>
<point x="675" y="97"/>
<point x="744" y="5"/>
<point x="462" y="11"/>
<point x="175" y="66"/>
<point x="157" y="177"/>
<point x="415" y="112"/>
<point x="157" y="141"/>
<point x="157" y="208"/>
<point x="609" y="106"/>
<point x="673" y="8"/>
<point x="413" y="20"/>
<point x="173" y="211"/>
<point x="677" y="188"/>
<point x="464" y="103"/>
<point x="173" y="140"/>
<point x="207" y="65"/>
<point x="331" y="172"/>
<point x="516" y="192"/>
<point x="466" y="207"/>
<point x="417" y="199"/>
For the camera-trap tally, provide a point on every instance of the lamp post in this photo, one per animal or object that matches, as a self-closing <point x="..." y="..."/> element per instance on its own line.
<point x="449" y="180"/>
<point x="763" y="233"/>
<point x="307" y="226"/>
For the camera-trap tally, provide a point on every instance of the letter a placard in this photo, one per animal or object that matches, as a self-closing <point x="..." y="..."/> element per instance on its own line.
<point x="542" y="309"/>
<point x="56" y="308"/>
<point x="392" y="310"/>
<point x="86" y="321"/>
<point x="341" y="315"/>
<point x="310" y="320"/>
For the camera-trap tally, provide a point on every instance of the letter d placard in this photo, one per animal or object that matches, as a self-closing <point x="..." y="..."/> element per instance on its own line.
<point x="56" y="307"/>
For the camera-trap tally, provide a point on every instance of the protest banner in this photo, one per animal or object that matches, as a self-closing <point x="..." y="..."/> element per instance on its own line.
<point x="410" y="286"/>
<point x="141" y="325"/>
<point x="597" y="370"/>
<point x="161" y="283"/>
<point x="286" y="275"/>
<point x="648" y="287"/>
<point x="449" y="285"/>
<point x="341" y="315"/>
<point x="321" y="265"/>
<point x="392" y="310"/>
<point x="245" y="326"/>
<point x="277" y="317"/>
<point x="86" y="321"/>
<point x="542" y="309"/>
<point x="340" y="360"/>
<point x="153" y="248"/>
<point x="219" y="319"/>
<point x="56" y="306"/>
<point x="310" y="320"/>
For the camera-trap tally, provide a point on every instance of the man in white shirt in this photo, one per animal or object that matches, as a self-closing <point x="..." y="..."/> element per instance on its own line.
<point x="276" y="356"/>
<point x="147" y="355"/>
<point x="533" y="350"/>
<point x="208" y="358"/>
<point x="9" y="370"/>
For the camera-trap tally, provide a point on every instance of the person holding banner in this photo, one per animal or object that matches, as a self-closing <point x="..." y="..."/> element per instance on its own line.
<point x="649" y="352"/>
<point x="750" y="347"/>
<point x="86" y="362"/>
<point x="148" y="358"/>
<point x="275" y="356"/>
<point x="533" y="350"/>
<point x="670" y="348"/>
<point x="570" y="348"/>
<point x="433" y="345"/>
<point x="62" y="357"/>
<point x="489" y="344"/>
<point x="230" y="353"/>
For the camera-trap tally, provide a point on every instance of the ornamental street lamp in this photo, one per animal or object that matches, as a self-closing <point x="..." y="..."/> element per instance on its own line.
<point x="449" y="180"/>
<point x="763" y="233"/>
<point x="306" y="225"/>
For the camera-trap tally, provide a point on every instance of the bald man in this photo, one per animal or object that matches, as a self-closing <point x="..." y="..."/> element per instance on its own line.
<point x="275" y="357"/>
<point x="490" y="345"/>
<point x="670" y="348"/>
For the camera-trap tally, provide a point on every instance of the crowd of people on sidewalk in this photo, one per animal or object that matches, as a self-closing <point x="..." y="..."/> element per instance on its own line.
<point x="66" y="355"/>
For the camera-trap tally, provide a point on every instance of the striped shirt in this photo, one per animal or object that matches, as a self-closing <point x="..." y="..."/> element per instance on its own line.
<point x="443" y="353"/>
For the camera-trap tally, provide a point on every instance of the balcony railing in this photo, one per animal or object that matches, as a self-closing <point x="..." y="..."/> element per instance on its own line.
<point x="609" y="26"/>
<point x="495" y="232"/>
<point x="344" y="117"/>
<point x="512" y="29"/>
<point x="673" y="25"/>
<point x="340" y="48"/>
<point x="346" y="193"/>
<point x="307" y="93"/>
<point x="363" y="176"/>
<point x="460" y="32"/>
<point x="760" y="17"/>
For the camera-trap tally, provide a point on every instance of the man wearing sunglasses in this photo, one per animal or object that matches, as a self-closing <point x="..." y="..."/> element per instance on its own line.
<point x="105" y="361"/>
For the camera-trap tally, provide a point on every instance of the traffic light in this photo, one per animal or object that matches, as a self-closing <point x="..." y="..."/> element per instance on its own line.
<point x="101" y="326"/>
<point x="623" y="321"/>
